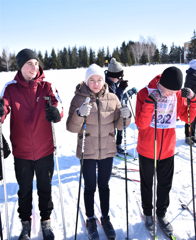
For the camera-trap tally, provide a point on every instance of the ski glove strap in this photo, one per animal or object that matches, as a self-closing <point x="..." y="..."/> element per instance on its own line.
<point x="52" y="114"/>
<point x="2" y="111"/>
<point x="187" y="93"/>
<point x="155" y="96"/>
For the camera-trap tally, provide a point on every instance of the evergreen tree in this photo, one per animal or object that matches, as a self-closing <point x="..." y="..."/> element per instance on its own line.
<point x="84" y="57"/>
<point x="100" y="57"/>
<point x="41" y="60"/>
<point x="6" y="61"/>
<point x="74" y="58"/>
<point x="108" y="55"/>
<point x="192" y="48"/>
<point x="116" y="54"/>
<point x="65" y="59"/>
<point x="1" y="69"/>
<point x="164" y="54"/>
<point x="70" y="53"/>
<point x="59" y="57"/>
<point x="157" y="57"/>
<point x="14" y="65"/>
<point x="46" y="61"/>
<point x="92" y="58"/>
<point x="144" y="58"/>
<point x="128" y="59"/>
<point x="53" y="60"/>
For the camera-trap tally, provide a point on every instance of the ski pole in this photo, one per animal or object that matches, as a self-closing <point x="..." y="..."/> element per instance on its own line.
<point x="126" y="187"/>
<point x="81" y="168"/>
<point x="4" y="182"/>
<point x="57" y="166"/>
<point x="1" y="231"/>
<point x="191" y="156"/>
<point x="155" y="165"/>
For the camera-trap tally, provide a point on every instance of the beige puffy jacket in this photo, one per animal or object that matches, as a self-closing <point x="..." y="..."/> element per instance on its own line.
<point x="100" y="140"/>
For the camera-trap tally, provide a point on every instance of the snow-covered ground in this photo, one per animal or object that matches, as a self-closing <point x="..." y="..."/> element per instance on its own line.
<point x="182" y="221"/>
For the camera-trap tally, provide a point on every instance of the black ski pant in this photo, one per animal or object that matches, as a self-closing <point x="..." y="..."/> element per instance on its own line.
<point x="89" y="174"/>
<point x="24" y="170"/>
<point x="165" y="170"/>
<point x="192" y="129"/>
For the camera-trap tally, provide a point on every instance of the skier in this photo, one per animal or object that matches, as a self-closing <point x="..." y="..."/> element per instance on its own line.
<point x="116" y="84"/>
<point x="31" y="137"/>
<point x="104" y="113"/>
<point x="190" y="82"/>
<point x="165" y="90"/>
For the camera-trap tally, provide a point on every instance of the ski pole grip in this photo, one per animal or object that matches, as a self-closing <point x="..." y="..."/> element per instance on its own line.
<point x="123" y="103"/>
<point x="87" y="101"/>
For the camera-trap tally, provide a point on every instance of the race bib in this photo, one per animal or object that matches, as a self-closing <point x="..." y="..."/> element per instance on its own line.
<point x="166" y="112"/>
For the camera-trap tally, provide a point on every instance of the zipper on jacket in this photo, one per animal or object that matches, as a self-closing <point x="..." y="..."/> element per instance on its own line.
<point x="29" y="85"/>
<point x="161" y="145"/>
<point x="99" y="123"/>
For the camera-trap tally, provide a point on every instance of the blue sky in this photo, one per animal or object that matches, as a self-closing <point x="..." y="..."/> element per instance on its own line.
<point x="46" y="24"/>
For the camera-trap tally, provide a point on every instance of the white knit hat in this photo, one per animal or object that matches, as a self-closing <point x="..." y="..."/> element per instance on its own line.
<point x="192" y="64"/>
<point x="94" y="69"/>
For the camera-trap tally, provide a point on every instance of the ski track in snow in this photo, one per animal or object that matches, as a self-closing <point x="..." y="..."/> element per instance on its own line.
<point x="69" y="166"/>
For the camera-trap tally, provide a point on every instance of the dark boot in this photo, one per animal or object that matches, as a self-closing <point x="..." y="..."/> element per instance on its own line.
<point x="149" y="224"/>
<point x="47" y="230"/>
<point x="119" y="149"/>
<point x="108" y="228"/>
<point x="91" y="227"/>
<point x="26" y="230"/>
<point x="165" y="225"/>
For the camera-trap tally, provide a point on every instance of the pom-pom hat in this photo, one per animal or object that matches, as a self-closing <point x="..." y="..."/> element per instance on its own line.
<point x="115" y="70"/>
<point x="94" y="69"/>
<point x="25" y="55"/>
<point x="172" y="78"/>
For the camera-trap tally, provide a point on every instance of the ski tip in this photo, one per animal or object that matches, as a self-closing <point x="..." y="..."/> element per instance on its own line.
<point x="173" y="237"/>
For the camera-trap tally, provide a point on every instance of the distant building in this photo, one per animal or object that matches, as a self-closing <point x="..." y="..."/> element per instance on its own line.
<point x="186" y="47"/>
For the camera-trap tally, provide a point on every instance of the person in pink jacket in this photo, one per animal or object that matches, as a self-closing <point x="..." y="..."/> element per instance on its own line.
<point x="31" y="137"/>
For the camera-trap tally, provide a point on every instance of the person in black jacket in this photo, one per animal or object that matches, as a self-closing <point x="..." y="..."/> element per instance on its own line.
<point x="116" y="85"/>
<point x="190" y="82"/>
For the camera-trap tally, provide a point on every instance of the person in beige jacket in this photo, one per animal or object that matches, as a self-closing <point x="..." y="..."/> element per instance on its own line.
<point x="104" y="114"/>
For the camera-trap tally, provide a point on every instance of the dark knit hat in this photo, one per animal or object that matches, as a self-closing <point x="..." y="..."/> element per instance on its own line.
<point x="115" y="70"/>
<point x="25" y="55"/>
<point x="172" y="78"/>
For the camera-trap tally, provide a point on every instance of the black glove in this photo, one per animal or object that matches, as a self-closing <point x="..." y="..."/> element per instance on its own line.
<point x="123" y="84"/>
<point x="155" y="95"/>
<point x="2" y="111"/>
<point x="52" y="114"/>
<point x="187" y="93"/>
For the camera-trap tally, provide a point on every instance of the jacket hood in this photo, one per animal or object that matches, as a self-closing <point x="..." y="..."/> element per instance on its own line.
<point x="20" y="79"/>
<point x="154" y="81"/>
<point x="83" y="90"/>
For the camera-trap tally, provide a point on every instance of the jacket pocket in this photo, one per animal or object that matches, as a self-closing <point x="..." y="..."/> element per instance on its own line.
<point x="111" y="144"/>
<point x="88" y="147"/>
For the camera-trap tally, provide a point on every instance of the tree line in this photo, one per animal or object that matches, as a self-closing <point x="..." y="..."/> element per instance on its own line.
<point x="133" y="53"/>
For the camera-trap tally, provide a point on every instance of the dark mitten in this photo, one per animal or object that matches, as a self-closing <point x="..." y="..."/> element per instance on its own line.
<point x="123" y="84"/>
<point x="155" y="95"/>
<point x="2" y="111"/>
<point x="187" y="93"/>
<point x="52" y="114"/>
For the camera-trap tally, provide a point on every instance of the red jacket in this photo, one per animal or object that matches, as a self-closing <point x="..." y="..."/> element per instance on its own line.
<point x="166" y="138"/>
<point x="30" y="132"/>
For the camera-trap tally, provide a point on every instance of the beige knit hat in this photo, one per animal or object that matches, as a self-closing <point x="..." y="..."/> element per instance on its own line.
<point x="94" y="69"/>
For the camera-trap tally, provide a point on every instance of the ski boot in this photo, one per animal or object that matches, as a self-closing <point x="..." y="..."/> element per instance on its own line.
<point x="149" y="224"/>
<point x="91" y="227"/>
<point x="187" y="140"/>
<point x="119" y="149"/>
<point x="26" y="230"/>
<point x="47" y="230"/>
<point x="165" y="225"/>
<point x="108" y="228"/>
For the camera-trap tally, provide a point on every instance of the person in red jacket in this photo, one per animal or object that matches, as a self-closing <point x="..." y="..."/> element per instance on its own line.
<point x="31" y="137"/>
<point x="171" y="104"/>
